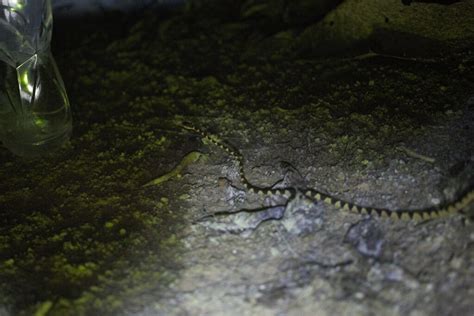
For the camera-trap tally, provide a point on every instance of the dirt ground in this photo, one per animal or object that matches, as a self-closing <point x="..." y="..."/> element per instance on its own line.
<point x="116" y="222"/>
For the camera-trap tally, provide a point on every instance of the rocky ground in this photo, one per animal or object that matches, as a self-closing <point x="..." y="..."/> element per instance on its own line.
<point x="116" y="222"/>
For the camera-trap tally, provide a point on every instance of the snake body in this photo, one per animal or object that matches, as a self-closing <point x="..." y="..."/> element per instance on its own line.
<point x="416" y="214"/>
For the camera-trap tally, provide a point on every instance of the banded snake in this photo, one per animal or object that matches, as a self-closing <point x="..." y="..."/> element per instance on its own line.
<point x="416" y="214"/>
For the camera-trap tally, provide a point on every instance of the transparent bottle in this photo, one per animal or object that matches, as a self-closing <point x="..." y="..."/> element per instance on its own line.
<point x="35" y="115"/>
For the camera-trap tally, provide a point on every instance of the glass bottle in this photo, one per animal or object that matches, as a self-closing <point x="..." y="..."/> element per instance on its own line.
<point x="35" y="115"/>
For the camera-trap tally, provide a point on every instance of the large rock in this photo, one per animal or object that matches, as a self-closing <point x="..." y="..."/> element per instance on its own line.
<point x="389" y="26"/>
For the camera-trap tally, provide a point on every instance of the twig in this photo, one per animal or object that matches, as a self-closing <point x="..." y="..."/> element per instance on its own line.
<point x="371" y="54"/>
<point x="413" y="154"/>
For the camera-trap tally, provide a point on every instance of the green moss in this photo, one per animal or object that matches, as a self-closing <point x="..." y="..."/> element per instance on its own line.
<point x="43" y="308"/>
<point x="80" y="230"/>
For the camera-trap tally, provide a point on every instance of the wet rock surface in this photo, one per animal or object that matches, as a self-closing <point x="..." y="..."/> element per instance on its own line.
<point x="80" y="233"/>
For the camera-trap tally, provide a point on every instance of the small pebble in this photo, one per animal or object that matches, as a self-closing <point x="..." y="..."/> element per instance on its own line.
<point x="456" y="263"/>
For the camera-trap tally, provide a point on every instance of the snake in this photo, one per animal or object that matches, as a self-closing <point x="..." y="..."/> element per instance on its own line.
<point x="441" y="210"/>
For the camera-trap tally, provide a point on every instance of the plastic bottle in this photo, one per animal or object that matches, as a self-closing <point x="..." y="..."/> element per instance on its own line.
<point x="35" y="115"/>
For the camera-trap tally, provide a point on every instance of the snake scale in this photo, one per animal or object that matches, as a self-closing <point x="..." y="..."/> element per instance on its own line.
<point x="416" y="214"/>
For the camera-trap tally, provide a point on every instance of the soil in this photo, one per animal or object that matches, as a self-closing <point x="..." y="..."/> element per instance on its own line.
<point x="117" y="221"/>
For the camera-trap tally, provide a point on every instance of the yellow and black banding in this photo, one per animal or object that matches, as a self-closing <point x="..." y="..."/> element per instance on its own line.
<point x="419" y="214"/>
